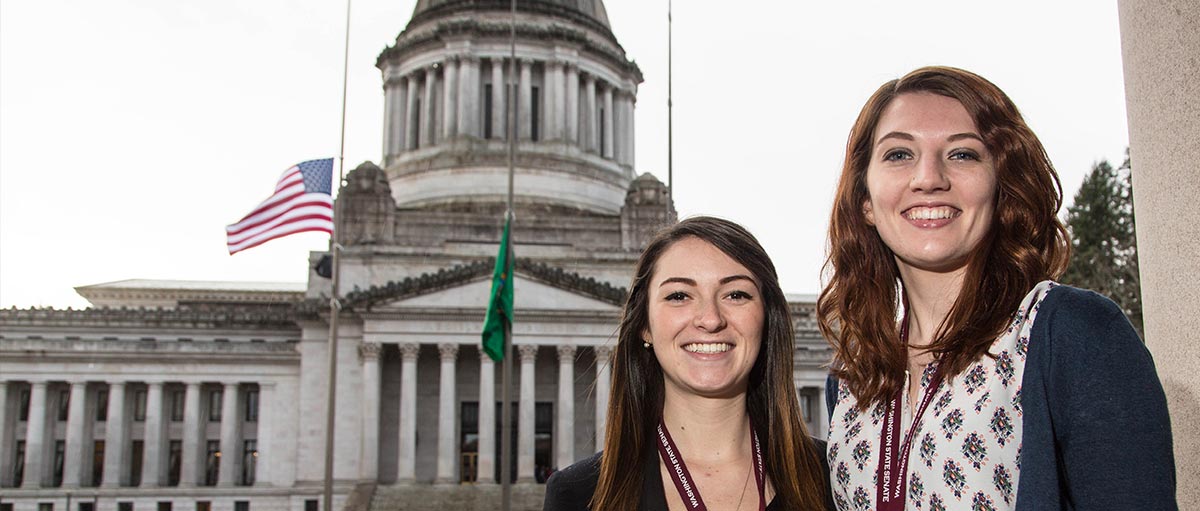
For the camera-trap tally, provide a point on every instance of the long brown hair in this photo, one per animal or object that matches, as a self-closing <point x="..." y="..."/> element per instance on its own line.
<point x="1025" y="244"/>
<point x="636" y="402"/>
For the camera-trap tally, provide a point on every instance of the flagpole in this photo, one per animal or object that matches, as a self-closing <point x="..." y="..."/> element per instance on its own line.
<point x="335" y="305"/>
<point x="506" y="366"/>
<point x="670" y="126"/>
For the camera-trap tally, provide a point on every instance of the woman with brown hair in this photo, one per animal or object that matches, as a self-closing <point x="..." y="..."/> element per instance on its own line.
<point x="704" y="412"/>
<point x="963" y="376"/>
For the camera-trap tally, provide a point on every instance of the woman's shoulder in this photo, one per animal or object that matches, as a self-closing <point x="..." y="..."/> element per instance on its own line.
<point x="1071" y="319"/>
<point x="571" y="488"/>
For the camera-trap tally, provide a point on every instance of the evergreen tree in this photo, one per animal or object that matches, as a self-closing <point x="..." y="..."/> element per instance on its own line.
<point x="1104" y="238"/>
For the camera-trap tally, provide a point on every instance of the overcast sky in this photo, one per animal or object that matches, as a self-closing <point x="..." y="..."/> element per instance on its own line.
<point x="133" y="131"/>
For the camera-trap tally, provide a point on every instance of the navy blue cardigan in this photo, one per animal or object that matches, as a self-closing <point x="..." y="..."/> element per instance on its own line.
<point x="1096" y="434"/>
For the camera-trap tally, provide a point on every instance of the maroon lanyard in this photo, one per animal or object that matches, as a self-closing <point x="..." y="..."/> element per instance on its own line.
<point x="893" y="458"/>
<point x="688" y="493"/>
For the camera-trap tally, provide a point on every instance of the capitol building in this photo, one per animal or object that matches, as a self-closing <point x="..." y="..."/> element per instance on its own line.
<point x="211" y="396"/>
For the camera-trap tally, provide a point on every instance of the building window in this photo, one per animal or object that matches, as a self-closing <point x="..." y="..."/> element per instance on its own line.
<point x="535" y="113"/>
<point x="603" y="141"/>
<point x="137" y="448"/>
<point x="60" y="450"/>
<point x="311" y="505"/>
<point x="251" y="406"/>
<point x="249" y="461"/>
<point x="487" y="110"/>
<point x="212" y="463"/>
<point x="23" y="414"/>
<point x="64" y="404"/>
<point x="124" y="506"/>
<point x="164" y="505"/>
<point x="174" y="457"/>
<point x="87" y="506"/>
<point x="177" y="400"/>
<point x="214" y="406"/>
<point x="19" y="464"/>
<point x="102" y="405"/>
<point x="45" y="506"/>
<point x="543" y="440"/>
<point x="241" y="505"/>
<point x="6" y="506"/>
<point x="203" y="505"/>
<point x="98" y="463"/>
<point x="139" y="406"/>
<point x="469" y="441"/>
<point x="416" y="124"/>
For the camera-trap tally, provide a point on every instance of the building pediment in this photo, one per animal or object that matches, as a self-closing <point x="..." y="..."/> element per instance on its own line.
<point x="537" y="287"/>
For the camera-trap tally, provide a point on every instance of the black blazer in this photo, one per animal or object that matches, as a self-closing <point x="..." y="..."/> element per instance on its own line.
<point x="571" y="488"/>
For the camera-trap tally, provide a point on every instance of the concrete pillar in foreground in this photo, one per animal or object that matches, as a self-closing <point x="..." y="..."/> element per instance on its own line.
<point x="486" y="465"/>
<point x="525" y="415"/>
<point x="447" y="462"/>
<point x="1160" y="42"/>
<point x="407" y="470"/>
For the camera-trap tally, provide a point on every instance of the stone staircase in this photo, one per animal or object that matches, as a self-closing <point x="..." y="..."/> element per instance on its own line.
<point x="467" y="497"/>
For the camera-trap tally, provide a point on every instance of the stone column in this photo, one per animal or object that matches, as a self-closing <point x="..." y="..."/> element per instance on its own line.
<point x="7" y="438"/>
<point x="398" y="115"/>
<point x="468" y="97"/>
<point x="603" y="386"/>
<point x="608" y="142"/>
<point x="369" y="352"/>
<point x="264" y="466"/>
<point x="630" y="128"/>
<point x="553" y="83"/>
<point x="447" y="441"/>
<point x="389" y="97"/>
<point x="35" y="436"/>
<point x="450" y="94"/>
<point x="591" y="133"/>
<point x="411" y="129"/>
<point x="152" y="459"/>
<point x="486" y="465"/>
<point x="572" y="117"/>
<point x="499" y="121"/>
<point x="525" y="117"/>
<point x="565" y="436"/>
<point x="624" y="122"/>
<point x="114" y="437"/>
<point x="190" y="458"/>
<point x="76" y="447"/>
<point x="429" y="109"/>
<point x="1160" y="41"/>
<point x="407" y="469"/>
<point x="230" y="438"/>
<point x="525" y="415"/>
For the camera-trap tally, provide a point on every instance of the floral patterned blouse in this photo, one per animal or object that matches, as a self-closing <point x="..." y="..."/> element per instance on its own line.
<point x="966" y="453"/>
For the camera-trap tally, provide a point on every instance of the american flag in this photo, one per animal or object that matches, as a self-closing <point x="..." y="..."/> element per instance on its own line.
<point x="302" y="202"/>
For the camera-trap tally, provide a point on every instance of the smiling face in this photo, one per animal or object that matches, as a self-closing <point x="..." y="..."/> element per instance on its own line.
<point x="706" y="320"/>
<point x="931" y="183"/>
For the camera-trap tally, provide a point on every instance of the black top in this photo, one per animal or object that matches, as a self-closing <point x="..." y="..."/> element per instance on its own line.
<point x="571" y="488"/>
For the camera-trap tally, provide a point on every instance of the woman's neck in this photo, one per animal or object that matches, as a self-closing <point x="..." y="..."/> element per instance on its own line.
<point x="707" y="430"/>
<point x="930" y="296"/>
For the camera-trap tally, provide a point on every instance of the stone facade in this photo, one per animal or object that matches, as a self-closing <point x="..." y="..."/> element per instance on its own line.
<point x="177" y="395"/>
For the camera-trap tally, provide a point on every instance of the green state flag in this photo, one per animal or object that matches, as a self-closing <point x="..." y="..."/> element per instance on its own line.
<point x="500" y="304"/>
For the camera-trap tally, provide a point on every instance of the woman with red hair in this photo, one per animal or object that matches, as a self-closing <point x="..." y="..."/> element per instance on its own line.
<point x="964" y="377"/>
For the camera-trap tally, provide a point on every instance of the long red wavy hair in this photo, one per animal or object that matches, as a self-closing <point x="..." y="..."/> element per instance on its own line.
<point x="1025" y="244"/>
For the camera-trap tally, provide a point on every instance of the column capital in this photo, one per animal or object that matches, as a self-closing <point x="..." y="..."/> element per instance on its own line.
<point x="484" y="357"/>
<point x="369" y="351"/>
<point x="566" y="353"/>
<point x="116" y="383"/>
<point x="467" y="57"/>
<point x="153" y="383"/>
<point x="394" y="81"/>
<point x="526" y="61"/>
<point x="528" y="352"/>
<point x="228" y="384"/>
<point x="409" y="351"/>
<point x="448" y="351"/>
<point x="603" y="352"/>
